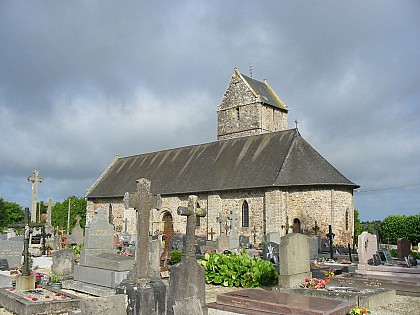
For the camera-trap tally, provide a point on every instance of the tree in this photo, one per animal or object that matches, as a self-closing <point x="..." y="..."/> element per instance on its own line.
<point x="10" y="213"/>
<point x="400" y="226"/>
<point x="60" y="209"/>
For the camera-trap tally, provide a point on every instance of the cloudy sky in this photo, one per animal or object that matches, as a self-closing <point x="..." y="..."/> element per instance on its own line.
<point x="82" y="81"/>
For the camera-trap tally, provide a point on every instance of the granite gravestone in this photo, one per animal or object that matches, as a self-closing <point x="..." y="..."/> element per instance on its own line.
<point x="403" y="248"/>
<point x="243" y="241"/>
<point x="187" y="283"/>
<point x="294" y="260"/>
<point x="367" y="247"/>
<point x="77" y="232"/>
<point x="99" y="264"/>
<point x="271" y="252"/>
<point x="233" y="232"/>
<point x="63" y="262"/>
<point x="273" y="237"/>
<point x="11" y="251"/>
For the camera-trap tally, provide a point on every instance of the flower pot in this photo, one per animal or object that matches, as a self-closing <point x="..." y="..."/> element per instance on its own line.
<point x="56" y="285"/>
<point x="327" y="279"/>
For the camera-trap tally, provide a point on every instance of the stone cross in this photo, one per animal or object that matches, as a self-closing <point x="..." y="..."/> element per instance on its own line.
<point x="211" y="233"/>
<point x="143" y="201"/>
<point x="27" y="232"/>
<point x="191" y="212"/>
<point x="34" y="179"/>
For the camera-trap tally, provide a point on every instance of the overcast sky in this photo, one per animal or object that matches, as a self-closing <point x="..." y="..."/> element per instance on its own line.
<point x="82" y="81"/>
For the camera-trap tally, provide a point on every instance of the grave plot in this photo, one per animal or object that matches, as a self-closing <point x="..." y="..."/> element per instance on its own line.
<point x="38" y="301"/>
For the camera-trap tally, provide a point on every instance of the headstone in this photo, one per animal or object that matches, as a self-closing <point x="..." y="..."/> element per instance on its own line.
<point x="324" y="245"/>
<point x="273" y="237"/>
<point x="243" y="241"/>
<point x="294" y="260"/>
<point x="376" y="260"/>
<point x="12" y="251"/>
<point x="187" y="281"/>
<point x="177" y="242"/>
<point x="403" y="248"/>
<point x="313" y="246"/>
<point x="385" y="257"/>
<point x="77" y="232"/>
<point x="223" y="242"/>
<point x="367" y="247"/>
<point x="233" y="233"/>
<point x="271" y="252"/>
<point x="99" y="264"/>
<point x="4" y="265"/>
<point x="63" y="262"/>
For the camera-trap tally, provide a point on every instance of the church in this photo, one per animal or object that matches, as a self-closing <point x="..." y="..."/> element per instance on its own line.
<point x="267" y="175"/>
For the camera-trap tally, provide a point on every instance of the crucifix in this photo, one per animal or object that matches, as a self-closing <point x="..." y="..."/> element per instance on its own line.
<point x="330" y="236"/>
<point x="28" y="230"/>
<point x="34" y="179"/>
<point x="211" y="233"/>
<point x="191" y="212"/>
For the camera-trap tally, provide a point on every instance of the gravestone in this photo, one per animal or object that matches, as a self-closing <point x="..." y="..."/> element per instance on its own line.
<point x="77" y="232"/>
<point x="99" y="264"/>
<point x="367" y="247"/>
<point x="11" y="250"/>
<point x="146" y="293"/>
<point x="271" y="252"/>
<point x="233" y="233"/>
<point x="403" y="248"/>
<point x="294" y="260"/>
<point x="63" y="262"/>
<point x="243" y="241"/>
<point x="313" y="246"/>
<point x="187" y="281"/>
<point x="273" y="237"/>
<point x="177" y="242"/>
<point x="385" y="256"/>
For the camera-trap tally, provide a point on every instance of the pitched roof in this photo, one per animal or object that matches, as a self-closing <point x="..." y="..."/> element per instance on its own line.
<point x="281" y="158"/>
<point x="264" y="91"/>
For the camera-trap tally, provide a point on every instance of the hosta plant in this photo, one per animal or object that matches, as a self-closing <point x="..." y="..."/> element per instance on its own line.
<point x="235" y="270"/>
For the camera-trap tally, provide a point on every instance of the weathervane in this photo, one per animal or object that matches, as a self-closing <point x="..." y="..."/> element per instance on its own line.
<point x="296" y="123"/>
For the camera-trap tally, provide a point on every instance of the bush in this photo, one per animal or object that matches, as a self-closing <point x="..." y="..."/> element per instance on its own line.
<point x="175" y="257"/>
<point x="238" y="270"/>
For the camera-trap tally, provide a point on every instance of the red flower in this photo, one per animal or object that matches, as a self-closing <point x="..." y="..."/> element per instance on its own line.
<point x="63" y="296"/>
<point x="47" y="296"/>
<point x="34" y="299"/>
<point x="57" y="294"/>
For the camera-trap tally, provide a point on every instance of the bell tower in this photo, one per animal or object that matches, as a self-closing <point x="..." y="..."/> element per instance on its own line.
<point x="249" y="107"/>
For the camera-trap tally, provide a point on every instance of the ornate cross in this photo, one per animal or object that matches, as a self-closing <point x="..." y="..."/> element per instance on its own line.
<point x="191" y="212"/>
<point x="34" y="179"/>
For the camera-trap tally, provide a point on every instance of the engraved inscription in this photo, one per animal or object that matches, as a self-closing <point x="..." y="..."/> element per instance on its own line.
<point x="101" y="232"/>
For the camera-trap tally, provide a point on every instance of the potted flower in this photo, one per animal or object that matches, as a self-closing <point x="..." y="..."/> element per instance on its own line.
<point x="313" y="283"/>
<point x="55" y="280"/>
<point x="328" y="274"/>
<point x="358" y="311"/>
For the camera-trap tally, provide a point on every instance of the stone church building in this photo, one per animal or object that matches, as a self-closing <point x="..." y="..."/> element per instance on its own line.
<point x="258" y="169"/>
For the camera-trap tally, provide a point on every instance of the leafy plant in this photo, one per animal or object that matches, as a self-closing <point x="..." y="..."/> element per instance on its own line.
<point x="175" y="257"/>
<point x="359" y="311"/>
<point x="238" y="270"/>
<point x="77" y="249"/>
<point x="56" y="277"/>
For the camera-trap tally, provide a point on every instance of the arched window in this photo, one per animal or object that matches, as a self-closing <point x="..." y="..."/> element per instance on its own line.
<point x="245" y="214"/>
<point x="238" y="116"/>
<point x="347" y="219"/>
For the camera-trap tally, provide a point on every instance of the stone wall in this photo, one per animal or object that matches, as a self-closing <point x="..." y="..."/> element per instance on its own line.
<point x="269" y="211"/>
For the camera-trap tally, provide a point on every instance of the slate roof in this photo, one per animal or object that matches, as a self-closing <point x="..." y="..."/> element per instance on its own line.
<point x="276" y="159"/>
<point x="262" y="89"/>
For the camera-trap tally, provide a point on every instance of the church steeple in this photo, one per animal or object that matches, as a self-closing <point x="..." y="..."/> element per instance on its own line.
<point x="249" y="107"/>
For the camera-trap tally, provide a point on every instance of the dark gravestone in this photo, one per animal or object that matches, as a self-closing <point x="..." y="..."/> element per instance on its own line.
<point x="187" y="282"/>
<point x="403" y="248"/>
<point x="243" y="241"/>
<point x="12" y="251"/>
<point x="200" y="241"/>
<point x="386" y="258"/>
<point x="4" y="265"/>
<point x="376" y="260"/>
<point x="177" y="242"/>
<point x="271" y="252"/>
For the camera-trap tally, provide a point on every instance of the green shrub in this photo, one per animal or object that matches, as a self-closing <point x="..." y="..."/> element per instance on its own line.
<point x="238" y="270"/>
<point x="393" y="252"/>
<point x="175" y="257"/>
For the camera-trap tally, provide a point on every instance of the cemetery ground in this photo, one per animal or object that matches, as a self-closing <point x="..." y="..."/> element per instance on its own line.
<point x="402" y="305"/>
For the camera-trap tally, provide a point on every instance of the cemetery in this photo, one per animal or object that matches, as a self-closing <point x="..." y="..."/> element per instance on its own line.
<point x="291" y="274"/>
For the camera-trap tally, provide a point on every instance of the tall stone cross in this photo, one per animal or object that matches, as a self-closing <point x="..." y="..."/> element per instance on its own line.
<point x="49" y="209"/>
<point x="34" y="179"/>
<point x="144" y="202"/>
<point x="191" y="212"/>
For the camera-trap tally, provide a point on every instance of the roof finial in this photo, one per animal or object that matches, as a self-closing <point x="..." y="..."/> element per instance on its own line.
<point x="250" y="70"/>
<point x="296" y="123"/>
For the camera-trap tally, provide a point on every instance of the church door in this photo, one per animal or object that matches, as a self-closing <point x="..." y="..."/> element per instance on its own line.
<point x="296" y="225"/>
<point x="168" y="231"/>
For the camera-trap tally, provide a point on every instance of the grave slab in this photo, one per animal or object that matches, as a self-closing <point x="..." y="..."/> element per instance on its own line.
<point x="259" y="301"/>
